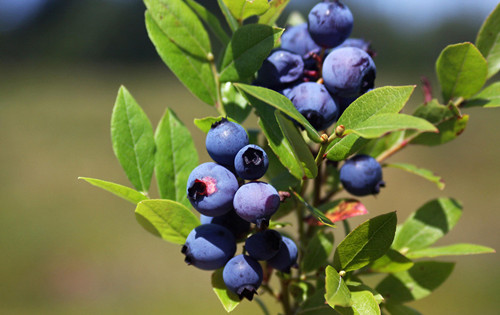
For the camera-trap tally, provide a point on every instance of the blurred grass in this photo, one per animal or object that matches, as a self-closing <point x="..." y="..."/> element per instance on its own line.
<point x="69" y="248"/>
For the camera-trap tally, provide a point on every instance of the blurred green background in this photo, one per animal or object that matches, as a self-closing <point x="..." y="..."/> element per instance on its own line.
<point x="69" y="248"/>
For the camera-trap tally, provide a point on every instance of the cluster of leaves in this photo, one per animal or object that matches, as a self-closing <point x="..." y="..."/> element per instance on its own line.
<point x="371" y="125"/>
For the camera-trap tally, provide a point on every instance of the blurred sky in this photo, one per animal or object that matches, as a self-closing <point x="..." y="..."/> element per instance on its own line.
<point x="418" y="14"/>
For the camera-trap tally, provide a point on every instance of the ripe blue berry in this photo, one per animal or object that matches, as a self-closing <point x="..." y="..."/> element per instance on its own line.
<point x="263" y="245"/>
<point x="211" y="188"/>
<point x="243" y="276"/>
<point x="224" y="140"/>
<point x="314" y="102"/>
<point x="280" y="68"/>
<point x="348" y="72"/>
<point x="231" y="221"/>
<point x="330" y="23"/>
<point x="286" y="256"/>
<point x="209" y="247"/>
<point x="251" y="162"/>
<point x="297" y="39"/>
<point x="359" y="43"/>
<point x="256" y="202"/>
<point x="361" y="175"/>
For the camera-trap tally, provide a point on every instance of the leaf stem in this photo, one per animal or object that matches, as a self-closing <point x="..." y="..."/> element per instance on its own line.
<point x="218" y="103"/>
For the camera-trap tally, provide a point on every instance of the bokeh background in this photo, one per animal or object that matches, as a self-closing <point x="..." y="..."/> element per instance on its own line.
<point x="69" y="248"/>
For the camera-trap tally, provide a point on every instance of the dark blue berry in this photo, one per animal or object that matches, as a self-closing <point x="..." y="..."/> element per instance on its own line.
<point x="279" y="69"/>
<point x="256" y="202"/>
<point x="296" y="39"/>
<point x="330" y="23"/>
<point x="286" y="256"/>
<point x="209" y="247"/>
<point x="231" y="221"/>
<point x="361" y="175"/>
<point x="263" y="245"/>
<point x="211" y="188"/>
<point x="314" y="102"/>
<point x="251" y="162"/>
<point x="348" y="72"/>
<point x="359" y="43"/>
<point x="243" y="276"/>
<point x="224" y="140"/>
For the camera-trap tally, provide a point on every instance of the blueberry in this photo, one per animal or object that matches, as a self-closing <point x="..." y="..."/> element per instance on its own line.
<point x="314" y="102"/>
<point x="243" y="276"/>
<point x="263" y="245"/>
<point x="231" y="221"/>
<point x="286" y="256"/>
<point x="359" y="43"/>
<point x="330" y="23"/>
<point x="256" y="202"/>
<point x="224" y="140"/>
<point x="211" y="188"/>
<point x="297" y="39"/>
<point x="361" y="175"/>
<point x="251" y="162"/>
<point x="209" y="247"/>
<point x="348" y="72"/>
<point x="280" y="68"/>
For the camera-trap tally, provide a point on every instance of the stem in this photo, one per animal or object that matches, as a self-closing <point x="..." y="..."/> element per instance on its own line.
<point x="396" y="148"/>
<point x="284" y="297"/>
<point x="218" y="102"/>
<point x="317" y="187"/>
<point x="347" y="227"/>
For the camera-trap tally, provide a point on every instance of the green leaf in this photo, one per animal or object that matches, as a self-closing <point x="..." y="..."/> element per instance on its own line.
<point x="487" y="98"/>
<point x="193" y="71"/>
<point x="176" y="157"/>
<point x="448" y="130"/>
<point x="249" y="47"/>
<point x="235" y="105"/>
<point x="300" y="147"/>
<point x="391" y="262"/>
<point x="317" y="252"/>
<point x="368" y="242"/>
<point x="415" y="283"/>
<point x="121" y="191"/>
<point x="181" y="25"/>
<point x="400" y="309"/>
<point x="277" y="141"/>
<point x="378" y="125"/>
<point x="461" y="71"/>
<point x="204" y="124"/>
<point x="210" y="20"/>
<point x="451" y="250"/>
<point x="274" y="12"/>
<point x="376" y="147"/>
<point x="385" y="100"/>
<point x="231" y="21"/>
<point x="228" y="298"/>
<point x="168" y="219"/>
<point x="488" y="41"/>
<point x="419" y="172"/>
<point x="314" y="211"/>
<point x="242" y="9"/>
<point x="428" y="224"/>
<point x="363" y="303"/>
<point x="254" y="94"/>
<point x="444" y="118"/>
<point x="355" y="286"/>
<point x="277" y="174"/>
<point x="133" y="141"/>
<point x="337" y="293"/>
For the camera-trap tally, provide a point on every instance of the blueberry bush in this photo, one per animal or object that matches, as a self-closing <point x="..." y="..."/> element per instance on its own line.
<point x="324" y="128"/>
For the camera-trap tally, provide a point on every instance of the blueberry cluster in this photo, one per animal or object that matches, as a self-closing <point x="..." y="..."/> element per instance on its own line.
<point x="229" y="206"/>
<point x="318" y="67"/>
